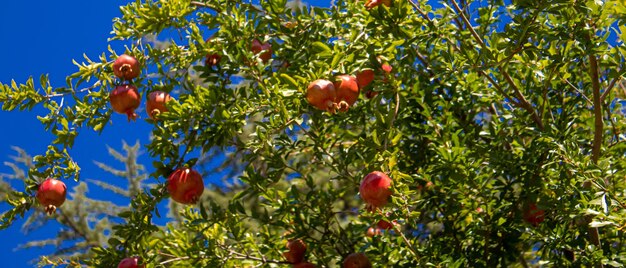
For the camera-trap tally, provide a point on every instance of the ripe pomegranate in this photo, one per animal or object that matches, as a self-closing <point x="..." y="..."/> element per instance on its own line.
<point x="321" y="94"/>
<point x="371" y="232"/>
<point x="156" y="103"/>
<point x="374" y="3"/>
<point x="130" y="262"/>
<point x="304" y="265"/>
<point x="385" y="225"/>
<point x="297" y="248"/>
<point x="185" y="186"/>
<point x="126" y="67"/>
<point x="386" y="67"/>
<point x="365" y="77"/>
<point x="347" y="90"/>
<point x="357" y="260"/>
<point x="375" y="189"/>
<point x="212" y="59"/>
<point x="533" y="215"/>
<point x="51" y="194"/>
<point x="257" y="47"/>
<point x="125" y="99"/>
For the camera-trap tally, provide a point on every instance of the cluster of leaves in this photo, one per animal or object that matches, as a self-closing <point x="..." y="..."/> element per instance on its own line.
<point x="496" y="106"/>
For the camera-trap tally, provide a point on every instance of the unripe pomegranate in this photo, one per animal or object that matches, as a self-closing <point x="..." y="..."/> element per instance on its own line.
<point x="125" y="99"/>
<point x="347" y="90"/>
<point x="374" y="3"/>
<point x="304" y="265"/>
<point x="357" y="260"/>
<point x="257" y="47"/>
<point x="365" y="77"/>
<point x="130" y="262"/>
<point x="51" y="194"/>
<point x="375" y="189"/>
<point x="297" y="248"/>
<point x="533" y="215"/>
<point x="156" y="103"/>
<point x="185" y="186"/>
<point x="126" y="67"/>
<point x="321" y="94"/>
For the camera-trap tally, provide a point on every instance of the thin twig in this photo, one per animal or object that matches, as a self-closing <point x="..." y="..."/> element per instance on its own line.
<point x="393" y="119"/>
<point x="607" y="91"/>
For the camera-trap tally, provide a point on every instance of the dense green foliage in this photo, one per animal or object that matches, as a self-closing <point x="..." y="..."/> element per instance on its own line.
<point x="490" y="109"/>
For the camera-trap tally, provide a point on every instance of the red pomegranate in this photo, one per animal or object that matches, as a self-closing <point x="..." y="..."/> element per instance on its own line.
<point x="304" y="265"/>
<point x="365" y="77"/>
<point x="385" y="225"/>
<point x="257" y="47"/>
<point x="130" y="262"/>
<point x="357" y="260"/>
<point x="126" y="67"/>
<point x="321" y="94"/>
<point x="371" y="232"/>
<point x="156" y="103"/>
<point x="347" y="90"/>
<point x="374" y="3"/>
<point x="125" y="99"/>
<point x="533" y="215"/>
<point x="51" y="194"/>
<point x="297" y="248"/>
<point x="212" y="59"/>
<point x="375" y="189"/>
<point x="387" y="68"/>
<point x="185" y="186"/>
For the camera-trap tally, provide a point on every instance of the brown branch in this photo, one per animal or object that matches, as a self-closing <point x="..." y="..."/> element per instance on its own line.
<point x="594" y="234"/>
<point x="597" y="109"/>
<point x="523" y="102"/>
<point x="609" y="88"/>
<point x="469" y="25"/>
<point x="419" y="10"/>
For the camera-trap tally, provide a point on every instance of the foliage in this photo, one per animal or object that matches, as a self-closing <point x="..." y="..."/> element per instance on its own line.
<point x="491" y="108"/>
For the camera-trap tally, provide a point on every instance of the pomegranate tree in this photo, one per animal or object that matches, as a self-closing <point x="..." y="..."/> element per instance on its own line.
<point x="375" y="189"/>
<point x="357" y="260"/>
<point x="185" y="186"/>
<point x="124" y="100"/>
<point x="156" y="103"/>
<point x="130" y="262"/>
<point x="297" y="248"/>
<point x="321" y="94"/>
<point x="126" y="67"/>
<point x="257" y="47"/>
<point x="51" y="194"/>
<point x="347" y="91"/>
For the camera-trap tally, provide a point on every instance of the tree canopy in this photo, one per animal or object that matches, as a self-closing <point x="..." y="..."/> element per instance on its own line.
<point x="499" y="124"/>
